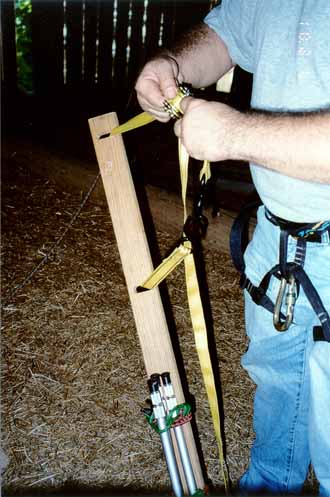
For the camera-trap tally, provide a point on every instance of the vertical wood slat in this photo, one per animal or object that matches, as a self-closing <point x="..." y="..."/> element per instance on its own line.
<point x="47" y="45"/>
<point x="168" y="9"/>
<point x="120" y="76"/>
<point x="47" y="38"/>
<point x="137" y="55"/>
<point x="8" y="49"/>
<point x="153" y="25"/>
<point x="74" y="21"/>
<point x="136" y="261"/>
<point x="92" y="8"/>
<point x="105" y="43"/>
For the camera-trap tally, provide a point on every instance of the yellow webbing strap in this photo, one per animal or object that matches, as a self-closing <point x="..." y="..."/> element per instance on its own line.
<point x="172" y="106"/>
<point x="198" y="319"/>
<point x="184" y="252"/>
<point x="167" y="266"/>
<point x="201" y="341"/>
<point x="135" y="122"/>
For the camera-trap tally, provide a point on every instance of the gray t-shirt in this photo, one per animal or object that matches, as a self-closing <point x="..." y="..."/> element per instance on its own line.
<point x="286" y="45"/>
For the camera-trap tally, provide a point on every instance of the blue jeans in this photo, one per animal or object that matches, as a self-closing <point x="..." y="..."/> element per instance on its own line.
<point x="292" y="375"/>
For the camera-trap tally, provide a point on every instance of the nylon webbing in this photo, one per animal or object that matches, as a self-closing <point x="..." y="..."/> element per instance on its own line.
<point x="135" y="122"/>
<point x="198" y="319"/>
<point x="167" y="266"/>
<point x="184" y="252"/>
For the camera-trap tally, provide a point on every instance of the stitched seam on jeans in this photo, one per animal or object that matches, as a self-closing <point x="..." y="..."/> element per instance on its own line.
<point x="294" y="424"/>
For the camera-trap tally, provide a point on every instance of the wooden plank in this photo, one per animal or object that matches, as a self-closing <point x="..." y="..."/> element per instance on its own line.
<point x="47" y="46"/>
<point x="105" y="44"/>
<point x="74" y="24"/>
<point x="120" y="75"/>
<point x="168" y="9"/>
<point x="137" y="56"/>
<point x="134" y="252"/>
<point x="153" y="26"/>
<point x="90" y="41"/>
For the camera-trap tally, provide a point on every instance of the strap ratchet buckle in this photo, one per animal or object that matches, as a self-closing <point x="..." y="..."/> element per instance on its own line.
<point x="289" y="291"/>
<point x="172" y="107"/>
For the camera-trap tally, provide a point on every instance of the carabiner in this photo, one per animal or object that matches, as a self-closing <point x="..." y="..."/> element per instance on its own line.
<point x="288" y="288"/>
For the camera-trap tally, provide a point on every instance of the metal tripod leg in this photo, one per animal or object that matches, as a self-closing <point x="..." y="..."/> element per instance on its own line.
<point x="179" y="435"/>
<point x="165" y="436"/>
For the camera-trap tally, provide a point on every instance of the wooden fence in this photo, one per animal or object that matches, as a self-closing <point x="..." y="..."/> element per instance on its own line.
<point x="94" y="44"/>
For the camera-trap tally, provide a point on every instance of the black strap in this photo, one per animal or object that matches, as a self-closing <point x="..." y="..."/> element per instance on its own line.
<point x="258" y="294"/>
<point x="299" y="230"/>
<point x="318" y="334"/>
<point x="239" y="235"/>
<point x="284" y="237"/>
<point x="314" y="300"/>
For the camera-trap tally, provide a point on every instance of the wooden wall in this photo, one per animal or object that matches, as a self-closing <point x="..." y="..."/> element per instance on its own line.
<point x="93" y="46"/>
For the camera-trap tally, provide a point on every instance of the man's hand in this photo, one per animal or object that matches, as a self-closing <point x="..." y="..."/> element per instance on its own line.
<point x="156" y="83"/>
<point x="207" y="129"/>
<point x="295" y="144"/>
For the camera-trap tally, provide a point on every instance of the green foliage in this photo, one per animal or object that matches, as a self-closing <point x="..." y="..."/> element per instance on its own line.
<point x="23" y="11"/>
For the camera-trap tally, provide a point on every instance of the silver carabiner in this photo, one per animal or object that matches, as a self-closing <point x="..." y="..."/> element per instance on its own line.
<point x="288" y="289"/>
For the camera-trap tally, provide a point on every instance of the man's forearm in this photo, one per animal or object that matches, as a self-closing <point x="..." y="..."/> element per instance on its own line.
<point x="297" y="145"/>
<point x="202" y="56"/>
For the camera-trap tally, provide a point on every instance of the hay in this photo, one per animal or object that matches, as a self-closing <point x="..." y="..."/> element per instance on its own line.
<point x="73" y="376"/>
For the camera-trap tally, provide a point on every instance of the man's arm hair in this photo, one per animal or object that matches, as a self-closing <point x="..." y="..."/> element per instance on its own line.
<point x="295" y="144"/>
<point x="201" y="55"/>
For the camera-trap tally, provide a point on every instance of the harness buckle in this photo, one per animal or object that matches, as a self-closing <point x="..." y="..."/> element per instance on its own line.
<point x="288" y="290"/>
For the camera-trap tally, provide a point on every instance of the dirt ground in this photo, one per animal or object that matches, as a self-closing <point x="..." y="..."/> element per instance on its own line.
<point x="73" y="376"/>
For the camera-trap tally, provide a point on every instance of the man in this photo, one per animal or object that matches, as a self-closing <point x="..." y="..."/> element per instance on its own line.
<point x="286" y="138"/>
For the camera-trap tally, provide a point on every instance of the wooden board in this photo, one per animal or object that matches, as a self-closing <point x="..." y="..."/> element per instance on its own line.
<point x="137" y="265"/>
<point x="74" y="24"/>
<point x="47" y="46"/>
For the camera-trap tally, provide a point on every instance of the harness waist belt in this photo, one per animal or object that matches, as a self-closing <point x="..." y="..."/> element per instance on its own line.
<point x="311" y="232"/>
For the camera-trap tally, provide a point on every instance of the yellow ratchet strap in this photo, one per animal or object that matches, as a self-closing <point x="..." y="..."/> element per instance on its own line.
<point x="171" y="106"/>
<point x="166" y="267"/>
<point x="184" y="253"/>
<point x="135" y="122"/>
<point x="199" y="325"/>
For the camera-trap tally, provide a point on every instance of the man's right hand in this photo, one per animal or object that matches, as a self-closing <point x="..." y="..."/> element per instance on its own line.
<point x="157" y="82"/>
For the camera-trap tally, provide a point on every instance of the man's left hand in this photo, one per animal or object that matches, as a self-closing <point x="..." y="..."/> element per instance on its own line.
<point x="207" y="129"/>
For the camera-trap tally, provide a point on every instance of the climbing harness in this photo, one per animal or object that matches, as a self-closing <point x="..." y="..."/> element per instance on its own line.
<point x="164" y="416"/>
<point x="194" y="227"/>
<point x="292" y="275"/>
